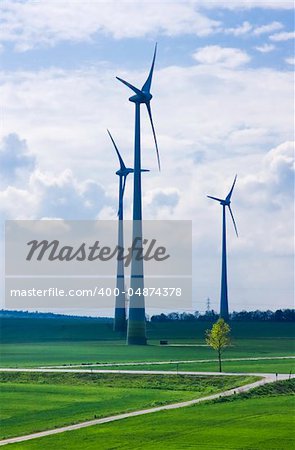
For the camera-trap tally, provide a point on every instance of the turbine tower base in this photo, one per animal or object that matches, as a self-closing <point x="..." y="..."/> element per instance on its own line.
<point x="136" y="334"/>
<point x="120" y="323"/>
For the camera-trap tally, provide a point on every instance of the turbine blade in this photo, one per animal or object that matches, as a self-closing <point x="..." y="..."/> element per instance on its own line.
<point x="124" y="185"/>
<point x="122" y="165"/>
<point x="232" y="216"/>
<point x="147" y="85"/>
<point x="120" y="204"/>
<point x="232" y="188"/>
<point x="120" y="208"/>
<point x="215" y="198"/>
<point x="154" y="133"/>
<point x="133" y="88"/>
<point x="122" y="195"/>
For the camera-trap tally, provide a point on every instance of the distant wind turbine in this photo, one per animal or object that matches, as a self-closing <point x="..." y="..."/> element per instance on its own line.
<point x="224" y="291"/>
<point x="136" y="333"/>
<point x="120" y="323"/>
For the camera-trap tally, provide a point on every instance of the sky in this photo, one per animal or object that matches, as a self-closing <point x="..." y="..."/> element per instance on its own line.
<point x="222" y="105"/>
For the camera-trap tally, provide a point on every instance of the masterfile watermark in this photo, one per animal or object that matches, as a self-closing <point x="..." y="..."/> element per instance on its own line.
<point x="74" y="264"/>
<point x="140" y="250"/>
<point x="90" y="293"/>
<point x="90" y="248"/>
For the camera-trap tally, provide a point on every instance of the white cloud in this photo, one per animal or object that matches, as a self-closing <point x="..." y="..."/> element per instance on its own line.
<point x="246" y="137"/>
<point x="33" y="24"/>
<point x="63" y="196"/>
<point x="265" y="48"/>
<point x="16" y="163"/>
<point x="17" y="203"/>
<point x="268" y="28"/>
<point x="246" y="4"/>
<point x="43" y="194"/>
<point x="240" y="30"/>
<point x="290" y="60"/>
<point x="224" y="56"/>
<point x="283" y="36"/>
<point x="247" y="27"/>
<point x="280" y="162"/>
<point x="29" y="24"/>
<point x="51" y="196"/>
<point x="107" y="213"/>
<point x="162" y="202"/>
<point x="64" y="115"/>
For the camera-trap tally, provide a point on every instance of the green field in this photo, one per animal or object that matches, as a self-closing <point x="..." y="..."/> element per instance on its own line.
<point x="55" y="353"/>
<point x="32" y="402"/>
<point x="262" y="419"/>
<point x="260" y="366"/>
<point x="70" y="398"/>
<point x="258" y="339"/>
<point x="28" y="342"/>
<point x="20" y="330"/>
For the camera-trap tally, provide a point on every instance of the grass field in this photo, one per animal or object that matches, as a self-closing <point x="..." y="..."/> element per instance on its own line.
<point x="28" y="342"/>
<point x="54" y="353"/>
<point x="36" y="401"/>
<point x="260" y="366"/>
<point x="70" y="398"/>
<point x="260" y="420"/>
<point x="21" y="330"/>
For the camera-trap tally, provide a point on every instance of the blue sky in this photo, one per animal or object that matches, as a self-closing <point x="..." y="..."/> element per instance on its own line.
<point x="222" y="105"/>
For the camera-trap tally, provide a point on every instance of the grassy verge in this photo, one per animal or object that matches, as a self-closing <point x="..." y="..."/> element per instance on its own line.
<point x="260" y="366"/>
<point x="32" y="402"/>
<point x="283" y="387"/>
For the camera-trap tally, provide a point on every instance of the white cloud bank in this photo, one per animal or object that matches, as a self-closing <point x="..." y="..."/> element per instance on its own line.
<point x="265" y="48"/>
<point x="55" y="195"/>
<point x="223" y="118"/>
<point x="29" y="24"/>
<point x="283" y="36"/>
<point x="240" y="30"/>
<point x="15" y="161"/>
<point x="290" y="60"/>
<point x="268" y="28"/>
<point x="224" y="56"/>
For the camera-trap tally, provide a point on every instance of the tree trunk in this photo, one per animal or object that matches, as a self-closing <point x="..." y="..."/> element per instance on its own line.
<point x="219" y="359"/>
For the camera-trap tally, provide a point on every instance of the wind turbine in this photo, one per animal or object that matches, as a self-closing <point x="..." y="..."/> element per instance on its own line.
<point x="120" y="306"/>
<point x="224" y="294"/>
<point x="136" y="333"/>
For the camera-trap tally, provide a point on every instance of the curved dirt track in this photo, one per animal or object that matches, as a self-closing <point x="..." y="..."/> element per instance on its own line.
<point x="266" y="378"/>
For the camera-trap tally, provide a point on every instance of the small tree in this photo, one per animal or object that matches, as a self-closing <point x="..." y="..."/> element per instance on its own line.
<point x="218" y="338"/>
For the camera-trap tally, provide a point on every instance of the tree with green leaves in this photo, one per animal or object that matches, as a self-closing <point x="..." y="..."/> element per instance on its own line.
<point x="219" y="338"/>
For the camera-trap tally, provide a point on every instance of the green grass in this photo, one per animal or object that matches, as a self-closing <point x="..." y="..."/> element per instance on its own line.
<point x="54" y="353"/>
<point x="261" y="421"/>
<point x="282" y="387"/>
<point x="34" y="342"/>
<point x="32" y="402"/>
<point x="261" y="366"/>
